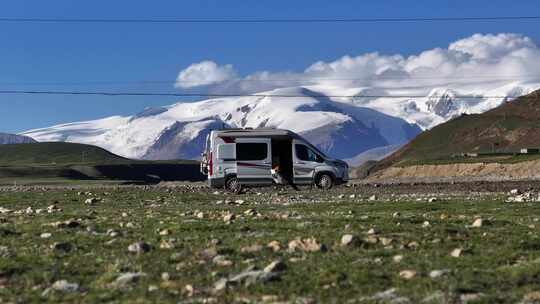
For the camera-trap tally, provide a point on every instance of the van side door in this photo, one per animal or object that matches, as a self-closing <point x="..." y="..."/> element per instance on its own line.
<point x="305" y="161"/>
<point x="254" y="161"/>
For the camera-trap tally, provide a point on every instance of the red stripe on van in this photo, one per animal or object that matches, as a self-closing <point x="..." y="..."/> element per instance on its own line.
<point x="210" y="165"/>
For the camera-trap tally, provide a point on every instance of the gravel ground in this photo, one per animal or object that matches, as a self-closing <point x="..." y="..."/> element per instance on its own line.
<point x="355" y="187"/>
<point x="186" y="243"/>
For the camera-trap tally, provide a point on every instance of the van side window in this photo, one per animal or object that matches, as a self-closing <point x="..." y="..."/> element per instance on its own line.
<point x="306" y="154"/>
<point x="251" y="151"/>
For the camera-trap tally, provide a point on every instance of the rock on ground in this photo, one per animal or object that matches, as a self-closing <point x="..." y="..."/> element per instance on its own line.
<point x="349" y="240"/>
<point x="139" y="247"/>
<point x="127" y="278"/>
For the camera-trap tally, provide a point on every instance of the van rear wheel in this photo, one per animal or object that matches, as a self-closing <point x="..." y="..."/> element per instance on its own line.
<point x="233" y="185"/>
<point x="324" y="181"/>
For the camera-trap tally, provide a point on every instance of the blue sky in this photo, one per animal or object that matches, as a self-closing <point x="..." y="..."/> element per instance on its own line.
<point x="80" y="53"/>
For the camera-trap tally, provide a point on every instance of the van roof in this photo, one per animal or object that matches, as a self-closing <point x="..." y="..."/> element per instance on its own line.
<point x="258" y="132"/>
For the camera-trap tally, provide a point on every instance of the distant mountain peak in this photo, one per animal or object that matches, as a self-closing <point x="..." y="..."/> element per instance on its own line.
<point x="6" y="138"/>
<point x="150" y="111"/>
<point x="441" y="102"/>
<point x="506" y="128"/>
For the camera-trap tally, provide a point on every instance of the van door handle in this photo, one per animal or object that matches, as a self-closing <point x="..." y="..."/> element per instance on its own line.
<point x="299" y="163"/>
<point x="266" y="162"/>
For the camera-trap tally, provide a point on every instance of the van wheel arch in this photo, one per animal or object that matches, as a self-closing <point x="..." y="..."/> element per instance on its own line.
<point x="319" y="175"/>
<point x="232" y="184"/>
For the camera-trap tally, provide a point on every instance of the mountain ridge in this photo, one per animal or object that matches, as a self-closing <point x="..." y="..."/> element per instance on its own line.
<point x="179" y="130"/>
<point x="505" y="129"/>
<point x="7" y="138"/>
<point x="341" y="127"/>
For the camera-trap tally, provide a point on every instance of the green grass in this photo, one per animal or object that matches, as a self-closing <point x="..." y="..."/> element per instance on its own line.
<point x="501" y="259"/>
<point x="48" y="153"/>
<point x="57" y="154"/>
<point x="57" y="181"/>
<point x="506" y="159"/>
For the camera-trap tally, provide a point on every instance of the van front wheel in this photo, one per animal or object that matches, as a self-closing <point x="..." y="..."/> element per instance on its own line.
<point x="324" y="181"/>
<point x="233" y="185"/>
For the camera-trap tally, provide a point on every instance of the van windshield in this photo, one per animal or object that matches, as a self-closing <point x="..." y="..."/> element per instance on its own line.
<point x="313" y="147"/>
<point x="317" y="150"/>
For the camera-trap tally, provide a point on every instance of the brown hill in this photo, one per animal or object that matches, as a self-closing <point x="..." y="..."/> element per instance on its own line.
<point x="505" y="129"/>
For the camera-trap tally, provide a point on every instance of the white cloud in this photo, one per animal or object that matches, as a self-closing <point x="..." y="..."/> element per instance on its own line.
<point x="204" y="73"/>
<point x="480" y="58"/>
<point x="492" y="47"/>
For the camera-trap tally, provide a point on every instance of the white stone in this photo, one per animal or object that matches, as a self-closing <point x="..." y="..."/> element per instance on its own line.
<point x="348" y="239"/>
<point x="397" y="258"/>
<point x="434" y="274"/>
<point x="45" y="235"/>
<point x="456" y="253"/>
<point x="477" y="223"/>
<point x="65" y="286"/>
<point x="275" y="266"/>
<point x="407" y="274"/>
<point x="127" y="278"/>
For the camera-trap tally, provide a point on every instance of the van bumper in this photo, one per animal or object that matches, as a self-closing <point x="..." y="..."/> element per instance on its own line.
<point x="341" y="181"/>
<point x="216" y="182"/>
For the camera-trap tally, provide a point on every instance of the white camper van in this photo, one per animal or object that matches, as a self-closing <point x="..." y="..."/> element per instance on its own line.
<point x="233" y="158"/>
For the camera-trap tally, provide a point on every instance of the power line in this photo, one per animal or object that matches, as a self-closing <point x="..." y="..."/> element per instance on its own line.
<point x="310" y="79"/>
<point x="263" y="20"/>
<point x="132" y="94"/>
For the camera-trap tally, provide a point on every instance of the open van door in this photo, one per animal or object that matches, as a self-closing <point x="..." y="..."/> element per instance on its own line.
<point x="305" y="161"/>
<point x="254" y="161"/>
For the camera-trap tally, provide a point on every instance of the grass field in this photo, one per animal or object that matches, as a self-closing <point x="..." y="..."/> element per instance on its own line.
<point x="50" y="153"/>
<point x="503" y="159"/>
<point x="71" y="162"/>
<point x="192" y="247"/>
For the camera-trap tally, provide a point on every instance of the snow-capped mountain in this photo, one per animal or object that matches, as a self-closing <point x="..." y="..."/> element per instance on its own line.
<point x="440" y="103"/>
<point x="6" y="138"/>
<point x="368" y="103"/>
<point x="341" y="127"/>
<point x="178" y="131"/>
